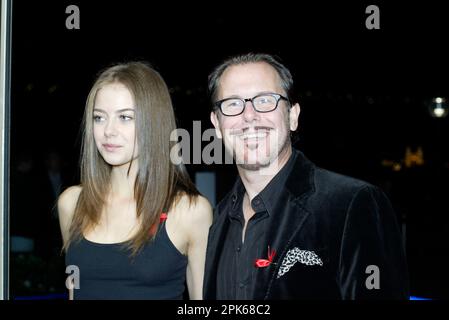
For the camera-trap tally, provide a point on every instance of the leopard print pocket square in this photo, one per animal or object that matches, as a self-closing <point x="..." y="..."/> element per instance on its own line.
<point x="294" y="255"/>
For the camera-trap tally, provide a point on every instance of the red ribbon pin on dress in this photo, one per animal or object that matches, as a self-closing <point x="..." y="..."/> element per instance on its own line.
<point x="161" y="219"/>
<point x="262" y="263"/>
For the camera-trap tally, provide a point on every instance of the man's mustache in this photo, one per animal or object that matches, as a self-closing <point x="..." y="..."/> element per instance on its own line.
<point x="245" y="130"/>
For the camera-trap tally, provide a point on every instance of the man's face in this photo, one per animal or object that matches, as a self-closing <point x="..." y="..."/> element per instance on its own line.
<point x="255" y="139"/>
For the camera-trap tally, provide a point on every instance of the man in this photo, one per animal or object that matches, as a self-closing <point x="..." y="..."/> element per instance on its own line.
<point x="288" y="229"/>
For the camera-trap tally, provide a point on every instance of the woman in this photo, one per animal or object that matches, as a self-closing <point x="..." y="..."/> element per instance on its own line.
<point x="136" y="227"/>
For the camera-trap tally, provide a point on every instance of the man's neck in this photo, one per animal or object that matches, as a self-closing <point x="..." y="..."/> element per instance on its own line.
<point x="256" y="180"/>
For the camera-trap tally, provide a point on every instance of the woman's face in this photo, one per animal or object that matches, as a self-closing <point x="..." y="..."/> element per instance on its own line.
<point x="114" y="124"/>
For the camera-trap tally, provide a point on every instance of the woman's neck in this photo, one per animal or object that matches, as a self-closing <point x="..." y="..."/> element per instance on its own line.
<point x="123" y="179"/>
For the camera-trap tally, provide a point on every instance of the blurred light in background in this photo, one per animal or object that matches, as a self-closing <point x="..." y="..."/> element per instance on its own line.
<point x="438" y="107"/>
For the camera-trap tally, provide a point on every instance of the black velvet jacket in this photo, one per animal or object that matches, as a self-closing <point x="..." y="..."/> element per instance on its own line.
<point x="335" y="237"/>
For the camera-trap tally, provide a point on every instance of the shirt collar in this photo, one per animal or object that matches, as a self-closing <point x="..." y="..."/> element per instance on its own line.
<point x="266" y="199"/>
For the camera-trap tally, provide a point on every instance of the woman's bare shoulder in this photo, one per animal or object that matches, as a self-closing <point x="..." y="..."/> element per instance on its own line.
<point x="193" y="210"/>
<point x="66" y="208"/>
<point x="67" y="201"/>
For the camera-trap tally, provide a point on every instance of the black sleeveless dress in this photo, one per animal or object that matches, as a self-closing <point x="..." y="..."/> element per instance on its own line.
<point x="107" y="271"/>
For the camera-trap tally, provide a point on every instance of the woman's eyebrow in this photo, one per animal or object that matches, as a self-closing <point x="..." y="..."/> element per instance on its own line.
<point x="117" y="111"/>
<point x="125" y="109"/>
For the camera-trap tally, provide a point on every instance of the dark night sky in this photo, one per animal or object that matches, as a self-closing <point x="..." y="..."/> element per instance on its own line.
<point x="327" y="47"/>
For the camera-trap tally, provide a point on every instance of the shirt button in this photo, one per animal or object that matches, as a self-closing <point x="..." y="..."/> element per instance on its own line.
<point x="241" y="285"/>
<point x="239" y="248"/>
<point x="256" y="202"/>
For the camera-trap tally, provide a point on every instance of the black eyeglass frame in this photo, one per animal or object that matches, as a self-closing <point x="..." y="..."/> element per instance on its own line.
<point x="277" y="96"/>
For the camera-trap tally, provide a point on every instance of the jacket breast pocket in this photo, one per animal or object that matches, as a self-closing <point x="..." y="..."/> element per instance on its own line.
<point x="305" y="260"/>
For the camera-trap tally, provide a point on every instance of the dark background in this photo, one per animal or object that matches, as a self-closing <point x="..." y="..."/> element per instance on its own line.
<point x="363" y="93"/>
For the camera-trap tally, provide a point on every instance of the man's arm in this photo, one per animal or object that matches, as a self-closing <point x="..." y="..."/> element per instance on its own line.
<point x="372" y="260"/>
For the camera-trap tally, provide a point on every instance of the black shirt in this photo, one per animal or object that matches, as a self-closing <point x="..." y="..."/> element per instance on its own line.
<point x="236" y="270"/>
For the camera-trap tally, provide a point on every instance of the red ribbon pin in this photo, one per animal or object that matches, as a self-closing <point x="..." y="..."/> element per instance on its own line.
<point x="262" y="263"/>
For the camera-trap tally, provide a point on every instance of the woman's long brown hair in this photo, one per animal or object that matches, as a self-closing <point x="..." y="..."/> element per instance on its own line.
<point x="159" y="182"/>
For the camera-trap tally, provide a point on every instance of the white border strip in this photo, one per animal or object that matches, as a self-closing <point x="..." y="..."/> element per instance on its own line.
<point x="4" y="102"/>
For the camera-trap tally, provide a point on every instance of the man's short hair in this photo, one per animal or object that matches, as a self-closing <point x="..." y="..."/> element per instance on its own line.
<point x="283" y="72"/>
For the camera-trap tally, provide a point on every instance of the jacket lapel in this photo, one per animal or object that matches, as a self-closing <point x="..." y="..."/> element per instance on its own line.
<point x="287" y="218"/>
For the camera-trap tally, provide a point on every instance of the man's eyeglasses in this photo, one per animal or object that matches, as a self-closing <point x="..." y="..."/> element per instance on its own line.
<point x="266" y="102"/>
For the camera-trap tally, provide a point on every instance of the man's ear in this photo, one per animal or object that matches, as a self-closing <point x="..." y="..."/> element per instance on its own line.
<point x="293" y="116"/>
<point x="216" y="123"/>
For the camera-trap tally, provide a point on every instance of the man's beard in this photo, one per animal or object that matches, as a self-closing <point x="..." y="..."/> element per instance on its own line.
<point x="261" y="165"/>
